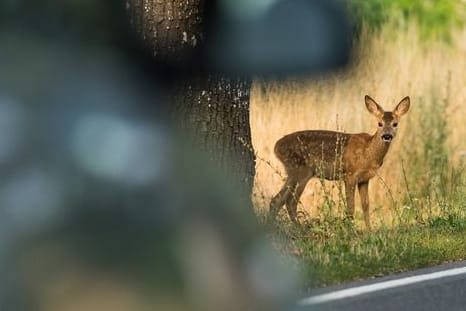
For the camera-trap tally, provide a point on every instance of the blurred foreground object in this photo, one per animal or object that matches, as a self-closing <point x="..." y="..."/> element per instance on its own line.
<point x="102" y="206"/>
<point x="278" y="37"/>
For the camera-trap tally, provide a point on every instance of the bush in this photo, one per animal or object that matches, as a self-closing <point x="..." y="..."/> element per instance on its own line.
<point x="435" y="18"/>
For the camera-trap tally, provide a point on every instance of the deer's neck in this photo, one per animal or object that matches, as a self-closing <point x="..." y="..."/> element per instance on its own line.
<point x="377" y="149"/>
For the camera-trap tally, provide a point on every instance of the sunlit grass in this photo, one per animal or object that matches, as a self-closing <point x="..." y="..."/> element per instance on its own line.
<point x="343" y="253"/>
<point x="387" y="70"/>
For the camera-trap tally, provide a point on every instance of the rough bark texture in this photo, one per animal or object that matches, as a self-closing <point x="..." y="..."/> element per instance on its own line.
<point x="212" y="108"/>
<point x="216" y="109"/>
<point x="170" y="28"/>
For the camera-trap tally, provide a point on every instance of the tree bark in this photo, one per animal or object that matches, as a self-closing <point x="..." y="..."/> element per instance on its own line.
<point x="214" y="109"/>
<point x="171" y="29"/>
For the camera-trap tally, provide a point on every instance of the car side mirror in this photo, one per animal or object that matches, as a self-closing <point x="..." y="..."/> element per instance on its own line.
<point x="277" y="36"/>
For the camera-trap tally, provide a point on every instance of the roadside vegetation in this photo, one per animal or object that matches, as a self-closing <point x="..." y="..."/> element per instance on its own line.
<point x="418" y="201"/>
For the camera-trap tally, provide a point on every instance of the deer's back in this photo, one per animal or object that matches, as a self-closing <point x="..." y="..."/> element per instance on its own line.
<point x="305" y="148"/>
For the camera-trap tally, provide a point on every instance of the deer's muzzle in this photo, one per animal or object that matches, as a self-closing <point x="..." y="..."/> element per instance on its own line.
<point x="387" y="138"/>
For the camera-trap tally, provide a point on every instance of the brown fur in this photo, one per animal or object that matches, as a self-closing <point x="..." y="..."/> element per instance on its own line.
<point x="354" y="158"/>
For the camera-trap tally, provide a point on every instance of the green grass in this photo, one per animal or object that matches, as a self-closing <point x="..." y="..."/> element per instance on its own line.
<point x="328" y="257"/>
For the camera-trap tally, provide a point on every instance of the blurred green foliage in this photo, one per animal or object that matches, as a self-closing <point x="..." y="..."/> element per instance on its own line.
<point x="435" y="18"/>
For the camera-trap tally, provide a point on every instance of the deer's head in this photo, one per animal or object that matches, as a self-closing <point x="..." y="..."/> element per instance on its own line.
<point x="387" y="120"/>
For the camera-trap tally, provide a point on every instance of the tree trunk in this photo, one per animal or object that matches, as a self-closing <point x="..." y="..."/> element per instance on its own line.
<point x="212" y="108"/>
<point x="216" y="109"/>
<point x="169" y="28"/>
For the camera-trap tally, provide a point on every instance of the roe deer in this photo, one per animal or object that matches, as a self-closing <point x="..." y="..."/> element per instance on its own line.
<point x="354" y="158"/>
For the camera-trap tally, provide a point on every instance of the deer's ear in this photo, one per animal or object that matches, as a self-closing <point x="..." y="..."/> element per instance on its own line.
<point x="402" y="107"/>
<point x="373" y="107"/>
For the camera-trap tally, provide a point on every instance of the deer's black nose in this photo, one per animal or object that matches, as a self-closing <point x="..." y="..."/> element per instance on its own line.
<point x="387" y="138"/>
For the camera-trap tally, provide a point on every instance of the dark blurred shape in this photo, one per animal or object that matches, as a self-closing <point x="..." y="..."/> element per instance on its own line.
<point x="102" y="207"/>
<point x="69" y="21"/>
<point x="278" y="36"/>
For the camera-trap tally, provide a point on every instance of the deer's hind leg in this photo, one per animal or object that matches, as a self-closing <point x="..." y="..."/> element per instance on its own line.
<point x="299" y="184"/>
<point x="293" y="199"/>
<point x="280" y="198"/>
<point x="290" y="193"/>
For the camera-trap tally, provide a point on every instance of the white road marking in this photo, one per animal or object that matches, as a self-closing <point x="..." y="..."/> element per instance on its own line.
<point x="361" y="290"/>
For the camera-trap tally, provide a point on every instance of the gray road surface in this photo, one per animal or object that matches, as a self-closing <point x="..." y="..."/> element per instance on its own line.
<point x="436" y="288"/>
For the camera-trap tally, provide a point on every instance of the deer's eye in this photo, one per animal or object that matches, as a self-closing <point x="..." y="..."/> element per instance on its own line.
<point x="380" y="124"/>
<point x="395" y="124"/>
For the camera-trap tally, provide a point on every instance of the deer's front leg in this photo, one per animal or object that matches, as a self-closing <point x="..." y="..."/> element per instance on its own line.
<point x="364" y="195"/>
<point x="350" y="186"/>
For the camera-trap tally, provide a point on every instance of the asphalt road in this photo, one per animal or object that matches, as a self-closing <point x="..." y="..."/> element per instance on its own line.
<point x="436" y="288"/>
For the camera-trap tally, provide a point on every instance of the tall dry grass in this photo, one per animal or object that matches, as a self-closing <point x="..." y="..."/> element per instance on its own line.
<point x="387" y="66"/>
